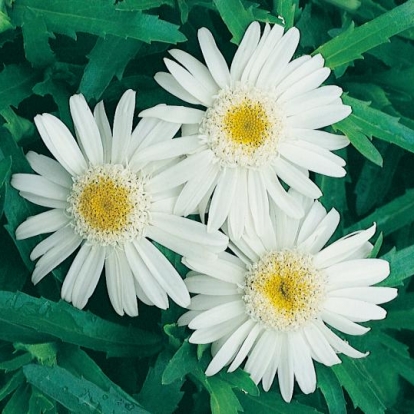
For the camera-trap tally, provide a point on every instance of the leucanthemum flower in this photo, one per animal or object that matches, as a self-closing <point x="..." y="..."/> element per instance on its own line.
<point x="261" y="125"/>
<point x="100" y="196"/>
<point x="273" y="302"/>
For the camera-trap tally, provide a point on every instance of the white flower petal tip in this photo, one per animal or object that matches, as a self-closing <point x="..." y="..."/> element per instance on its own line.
<point x="243" y="306"/>
<point x="285" y="105"/>
<point x="102" y="204"/>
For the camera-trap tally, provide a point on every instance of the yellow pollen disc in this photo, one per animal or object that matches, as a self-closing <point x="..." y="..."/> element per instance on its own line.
<point x="284" y="290"/>
<point x="109" y="205"/>
<point x="247" y="124"/>
<point x="243" y="126"/>
<point x="105" y="206"/>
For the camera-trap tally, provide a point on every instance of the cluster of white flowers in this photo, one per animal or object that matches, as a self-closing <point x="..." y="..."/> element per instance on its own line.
<point x="111" y="192"/>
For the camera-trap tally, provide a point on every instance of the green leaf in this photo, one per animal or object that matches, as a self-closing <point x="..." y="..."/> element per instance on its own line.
<point x="107" y="59"/>
<point x="401" y="264"/>
<point x="236" y="17"/>
<point x="5" y="23"/>
<point x="40" y="404"/>
<point x="222" y="397"/>
<point x="331" y="389"/>
<point x="77" y="395"/>
<point x="133" y="5"/>
<point x="359" y="140"/>
<point x="44" y="353"/>
<point x="287" y="10"/>
<point x="16" y="83"/>
<point x="350" y="45"/>
<point x="19" y="402"/>
<point x="16" y="362"/>
<point x="348" y="5"/>
<point x="241" y="380"/>
<point x="97" y="17"/>
<point x="391" y="217"/>
<point x="373" y="122"/>
<point x="360" y="385"/>
<point x="36" y="40"/>
<point x="272" y="403"/>
<point x="17" y="126"/>
<point x="63" y="321"/>
<point x="156" y="397"/>
<point x="399" y="319"/>
<point x="11" y="385"/>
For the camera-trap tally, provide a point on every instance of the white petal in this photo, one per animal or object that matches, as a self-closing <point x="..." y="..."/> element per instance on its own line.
<point x="320" y="347"/>
<point x="322" y="233"/>
<point x="298" y="75"/>
<point x="196" y="68"/>
<point x="122" y="130"/>
<point x="177" y="114"/>
<point x="319" y="117"/>
<point x="296" y="179"/>
<point x="50" y="169"/>
<point x="274" y="354"/>
<point x="258" y="359"/>
<point x="211" y="334"/>
<point x="357" y="273"/>
<point x="258" y="201"/>
<point x="208" y="286"/>
<point x="245" y="50"/>
<point x="181" y="172"/>
<point x="56" y="255"/>
<point x="246" y="347"/>
<point x="86" y="128"/>
<point x="61" y="143"/>
<point x="322" y="139"/>
<point x="239" y="214"/>
<point x="88" y="277"/>
<point x="355" y="310"/>
<point x="343" y="324"/>
<point x="164" y="272"/>
<point x="312" y="99"/>
<point x="222" y="198"/>
<point x="213" y="57"/>
<point x="120" y="283"/>
<point x="46" y="222"/>
<point x="49" y="242"/>
<point x="285" y="371"/>
<point x="279" y="58"/>
<point x="191" y="231"/>
<point x="343" y="248"/>
<point x="44" y="201"/>
<point x="205" y="302"/>
<point x="164" y="150"/>
<point x="313" y="158"/>
<point x="306" y="84"/>
<point x="40" y="186"/>
<point x="376" y="295"/>
<point x="168" y="82"/>
<point x="281" y="198"/>
<point x="152" y="289"/>
<point x="196" y="189"/>
<point x="337" y="343"/>
<point x="218" y="268"/>
<point x="189" y="83"/>
<point x="104" y="130"/>
<point x="227" y="350"/>
<point x="311" y="221"/>
<point x="302" y="362"/>
<point x="218" y="314"/>
<point x="262" y="53"/>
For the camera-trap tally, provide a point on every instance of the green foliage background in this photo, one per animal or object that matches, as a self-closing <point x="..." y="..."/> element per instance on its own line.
<point x="55" y="358"/>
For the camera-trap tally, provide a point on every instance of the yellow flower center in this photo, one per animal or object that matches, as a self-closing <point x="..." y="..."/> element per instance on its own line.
<point x="105" y="205"/>
<point x="247" y="124"/>
<point x="284" y="290"/>
<point x="109" y="205"/>
<point x="243" y="127"/>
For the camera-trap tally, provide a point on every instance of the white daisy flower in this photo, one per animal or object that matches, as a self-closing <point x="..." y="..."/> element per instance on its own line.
<point x="260" y="126"/>
<point x="272" y="302"/>
<point x="101" y="198"/>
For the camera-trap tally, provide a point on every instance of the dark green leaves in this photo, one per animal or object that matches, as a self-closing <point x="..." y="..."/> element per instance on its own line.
<point x="351" y="44"/>
<point x="46" y="319"/>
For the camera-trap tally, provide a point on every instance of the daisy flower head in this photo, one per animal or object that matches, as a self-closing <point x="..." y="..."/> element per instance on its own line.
<point x="100" y="198"/>
<point x="274" y="301"/>
<point x="260" y="125"/>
